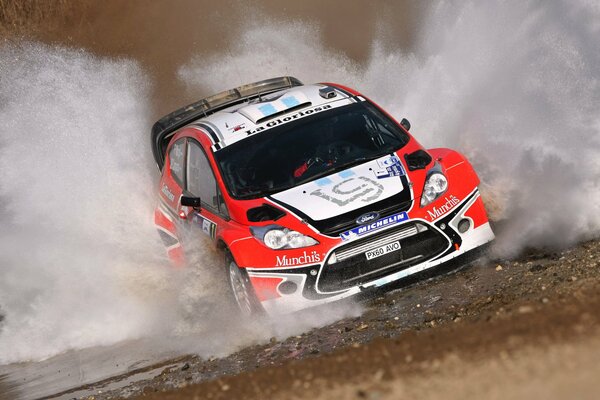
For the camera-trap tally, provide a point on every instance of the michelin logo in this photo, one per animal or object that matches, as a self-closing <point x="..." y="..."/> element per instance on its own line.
<point x="379" y="224"/>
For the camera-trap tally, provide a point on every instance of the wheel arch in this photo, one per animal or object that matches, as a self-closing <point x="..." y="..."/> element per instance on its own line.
<point x="226" y="250"/>
<point x="456" y="165"/>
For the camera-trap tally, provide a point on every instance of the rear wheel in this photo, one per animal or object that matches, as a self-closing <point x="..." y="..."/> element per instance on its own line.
<point x="242" y="290"/>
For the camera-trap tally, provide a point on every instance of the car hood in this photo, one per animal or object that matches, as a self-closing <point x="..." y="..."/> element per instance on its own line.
<point x="348" y="190"/>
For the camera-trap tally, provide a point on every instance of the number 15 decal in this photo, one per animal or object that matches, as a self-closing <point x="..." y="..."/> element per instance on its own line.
<point x="351" y="190"/>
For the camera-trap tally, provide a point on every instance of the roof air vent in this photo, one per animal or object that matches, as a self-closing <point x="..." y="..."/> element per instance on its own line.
<point x="327" y="92"/>
<point x="265" y="212"/>
<point x="419" y="159"/>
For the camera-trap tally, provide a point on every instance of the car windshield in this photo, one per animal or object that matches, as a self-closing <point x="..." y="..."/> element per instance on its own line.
<point x="306" y="149"/>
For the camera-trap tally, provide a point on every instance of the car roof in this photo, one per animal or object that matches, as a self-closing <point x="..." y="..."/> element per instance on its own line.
<point x="240" y="121"/>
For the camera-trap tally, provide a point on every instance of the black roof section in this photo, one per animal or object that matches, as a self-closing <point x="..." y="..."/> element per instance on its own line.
<point x="164" y="128"/>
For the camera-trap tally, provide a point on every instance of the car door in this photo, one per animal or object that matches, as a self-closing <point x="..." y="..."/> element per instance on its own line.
<point x="201" y="182"/>
<point x="172" y="183"/>
<point x="167" y="215"/>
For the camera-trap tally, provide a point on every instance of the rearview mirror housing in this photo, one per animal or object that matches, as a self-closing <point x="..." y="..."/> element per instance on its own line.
<point x="189" y="201"/>
<point x="405" y="124"/>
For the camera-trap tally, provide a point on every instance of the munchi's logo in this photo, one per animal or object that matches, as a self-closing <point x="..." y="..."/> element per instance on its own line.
<point x="351" y="190"/>
<point x="306" y="258"/>
<point x="436" y="212"/>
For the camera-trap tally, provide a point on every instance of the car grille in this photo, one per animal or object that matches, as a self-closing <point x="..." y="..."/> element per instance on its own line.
<point x="336" y="225"/>
<point x="348" y="266"/>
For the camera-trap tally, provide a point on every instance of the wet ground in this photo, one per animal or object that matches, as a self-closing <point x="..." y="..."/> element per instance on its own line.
<point x="485" y="310"/>
<point x="481" y="311"/>
<point x="486" y="329"/>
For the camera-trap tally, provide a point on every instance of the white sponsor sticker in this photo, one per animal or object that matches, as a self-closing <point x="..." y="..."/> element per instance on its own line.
<point x="340" y="192"/>
<point x="390" y="166"/>
<point x="382" y="250"/>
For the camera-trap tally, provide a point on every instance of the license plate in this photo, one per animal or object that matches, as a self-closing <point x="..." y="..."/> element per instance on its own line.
<point x="380" y="251"/>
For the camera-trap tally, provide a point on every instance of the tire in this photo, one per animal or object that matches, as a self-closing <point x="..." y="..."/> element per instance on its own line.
<point x="242" y="290"/>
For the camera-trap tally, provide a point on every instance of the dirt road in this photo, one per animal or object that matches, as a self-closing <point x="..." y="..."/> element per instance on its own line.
<point x="509" y="329"/>
<point x="486" y="329"/>
<point x="491" y="329"/>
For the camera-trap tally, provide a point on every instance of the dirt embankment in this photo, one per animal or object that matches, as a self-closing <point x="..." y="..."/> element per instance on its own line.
<point x="493" y="329"/>
<point x="162" y="35"/>
<point x="31" y="18"/>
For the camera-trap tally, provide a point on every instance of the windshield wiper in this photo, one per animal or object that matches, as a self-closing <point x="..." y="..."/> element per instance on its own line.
<point x="344" y="166"/>
<point x="262" y="191"/>
<point x="265" y="190"/>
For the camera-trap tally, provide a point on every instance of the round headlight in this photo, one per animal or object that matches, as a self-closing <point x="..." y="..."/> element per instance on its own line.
<point x="435" y="186"/>
<point x="296" y="240"/>
<point x="275" y="239"/>
<point x="464" y="225"/>
<point x="438" y="183"/>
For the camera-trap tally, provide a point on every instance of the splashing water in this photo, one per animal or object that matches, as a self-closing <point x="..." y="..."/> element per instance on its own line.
<point x="76" y="223"/>
<point x="81" y="263"/>
<point x="514" y="86"/>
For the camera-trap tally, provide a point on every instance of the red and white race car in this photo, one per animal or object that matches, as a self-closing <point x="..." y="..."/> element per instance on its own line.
<point x="313" y="193"/>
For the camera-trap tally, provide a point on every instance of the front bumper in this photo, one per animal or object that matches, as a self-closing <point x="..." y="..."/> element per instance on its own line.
<point x="345" y="270"/>
<point x="347" y="265"/>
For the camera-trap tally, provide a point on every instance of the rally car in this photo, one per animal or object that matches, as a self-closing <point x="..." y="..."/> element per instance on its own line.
<point x="312" y="192"/>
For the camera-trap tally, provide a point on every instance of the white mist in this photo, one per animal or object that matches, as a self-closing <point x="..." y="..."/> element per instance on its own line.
<point x="515" y="86"/>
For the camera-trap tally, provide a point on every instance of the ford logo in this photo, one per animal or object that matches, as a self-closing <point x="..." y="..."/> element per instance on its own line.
<point x="368" y="217"/>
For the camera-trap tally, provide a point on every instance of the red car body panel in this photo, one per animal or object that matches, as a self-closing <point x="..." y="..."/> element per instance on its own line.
<point x="233" y="232"/>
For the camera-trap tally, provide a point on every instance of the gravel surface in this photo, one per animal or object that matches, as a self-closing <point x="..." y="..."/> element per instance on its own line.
<point x="506" y="317"/>
<point x="489" y="329"/>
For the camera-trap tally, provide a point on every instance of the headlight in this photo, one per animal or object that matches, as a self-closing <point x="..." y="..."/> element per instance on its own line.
<point x="277" y="237"/>
<point x="435" y="186"/>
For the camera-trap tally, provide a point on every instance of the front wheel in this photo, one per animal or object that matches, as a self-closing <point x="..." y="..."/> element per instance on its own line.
<point x="242" y="290"/>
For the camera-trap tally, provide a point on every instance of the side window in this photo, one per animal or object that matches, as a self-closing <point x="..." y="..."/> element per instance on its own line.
<point x="222" y="205"/>
<point x="201" y="180"/>
<point x="176" y="161"/>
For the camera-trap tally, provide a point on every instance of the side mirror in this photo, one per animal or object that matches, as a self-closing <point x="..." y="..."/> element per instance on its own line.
<point x="405" y="124"/>
<point x="193" y="202"/>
